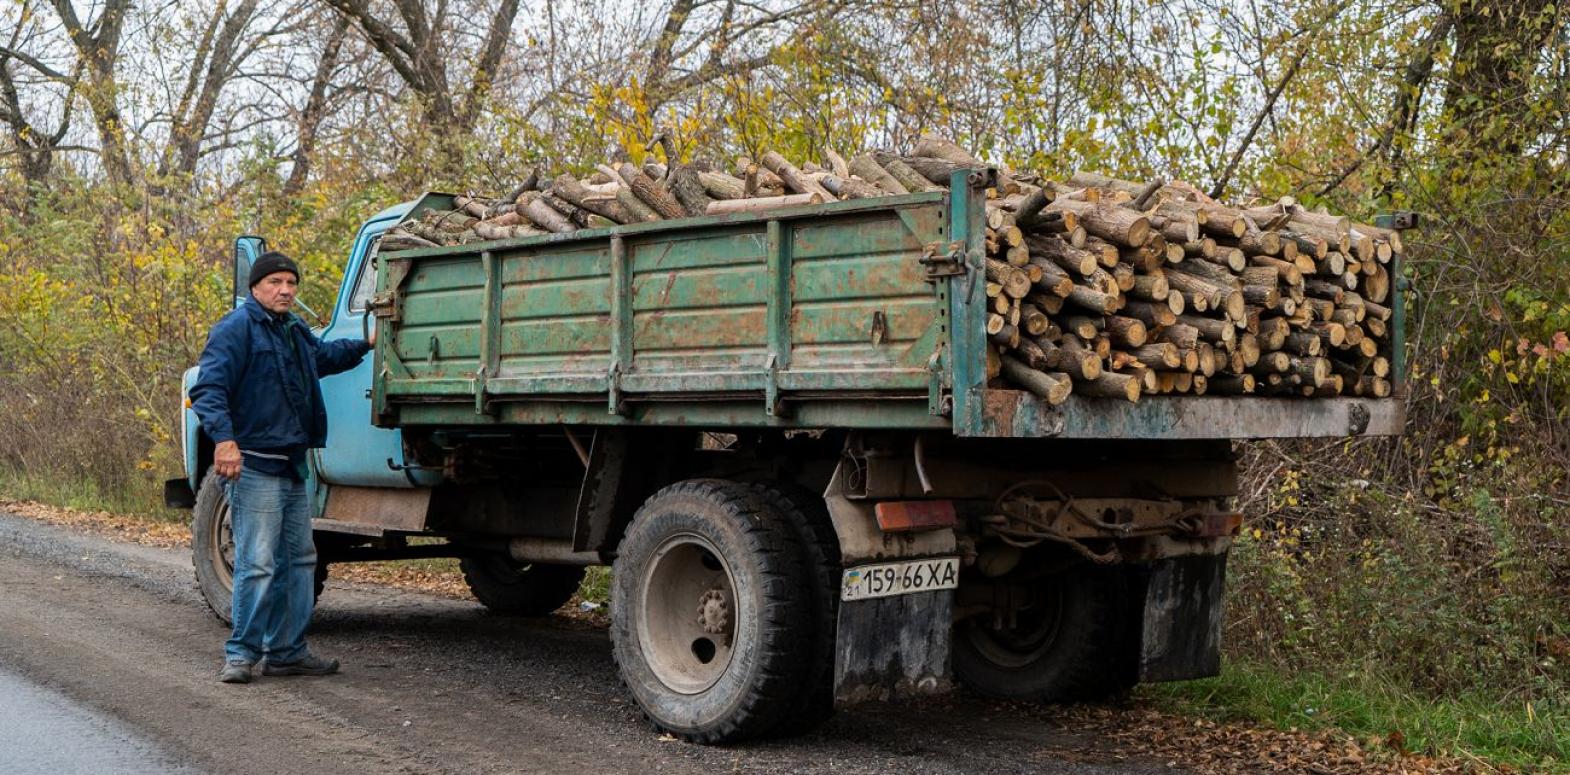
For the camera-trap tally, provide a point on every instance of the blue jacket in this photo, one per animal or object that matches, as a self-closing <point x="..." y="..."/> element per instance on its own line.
<point x="243" y="392"/>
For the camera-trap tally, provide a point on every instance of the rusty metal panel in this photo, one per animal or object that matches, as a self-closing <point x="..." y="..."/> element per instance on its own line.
<point x="1011" y="413"/>
<point x="391" y="508"/>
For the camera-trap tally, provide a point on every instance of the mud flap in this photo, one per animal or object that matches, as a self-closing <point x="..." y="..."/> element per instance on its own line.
<point x="1181" y="631"/>
<point x="893" y="647"/>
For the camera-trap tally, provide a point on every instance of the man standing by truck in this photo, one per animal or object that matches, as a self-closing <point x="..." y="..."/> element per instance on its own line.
<point x="258" y="398"/>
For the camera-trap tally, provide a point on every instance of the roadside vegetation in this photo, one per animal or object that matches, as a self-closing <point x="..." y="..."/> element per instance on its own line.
<point x="1411" y="590"/>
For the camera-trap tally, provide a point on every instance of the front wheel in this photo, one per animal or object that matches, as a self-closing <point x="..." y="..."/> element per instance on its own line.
<point x="212" y="549"/>
<point x="710" y="617"/>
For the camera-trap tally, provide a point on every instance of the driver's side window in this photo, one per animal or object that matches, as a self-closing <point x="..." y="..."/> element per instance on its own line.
<point x="365" y="284"/>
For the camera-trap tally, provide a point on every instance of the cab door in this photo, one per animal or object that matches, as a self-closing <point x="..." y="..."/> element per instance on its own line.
<point x="358" y="453"/>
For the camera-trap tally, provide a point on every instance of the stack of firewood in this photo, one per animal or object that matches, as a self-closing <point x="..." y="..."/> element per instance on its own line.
<point x="1097" y="286"/>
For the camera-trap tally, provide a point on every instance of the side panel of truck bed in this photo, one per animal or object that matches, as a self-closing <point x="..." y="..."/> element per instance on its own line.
<point x="823" y="306"/>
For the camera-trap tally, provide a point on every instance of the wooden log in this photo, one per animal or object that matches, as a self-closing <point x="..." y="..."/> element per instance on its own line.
<point x="1015" y="283"/>
<point x="1152" y="314"/>
<point x="1083" y="326"/>
<point x="1095" y="300"/>
<point x="757" y="181"/>
<point x="1151" y="287"/>
<point x="1333" y="333"/>
<point x="907" y="177"/>
<point x="1052" y="388"/>
<point x="568" y="188"/>
<point x="935" y="147"/>
<point x="1285" y="270"/>
<point x="545" y="213"/>
<point x="722" y="186"/>
<point x="1267" y="296"/>
<point x="1161" y="355"/>
<point x="1007" y="336"/>
<point x="1033" y="320"/>
<point x="1231" y="384"/>
<point x="1304" y="343"/>
<point x="793" y="178"/>
<point x="1204" y="247"/>
<point x="1212" y="329"/>
<point x="491" y="231"/>
<point x="1053" y="279"/>
<point x="1110" y="385"/>
<point x="1115" y="224"/>
<point x="650" y="193"/>
<point x="837" y="163"/>
<point x="1077" y="359"/>
<point x="1208" y="362"/>
<point x="1312" y="371"/>
<point x="688" y="189"/>
<point x="1373" y="387"/>
<point x="1029" y="213"/>
<point x="1228" y="300"/>
<point x="1126" y="331"/>
<point x="1185" y="337"/>
<point x="848" y="188"/>
<point x="761" y="204"/>
<point x="1077" y="261"/>
<point x="868" y="169"/>
<point x="1215" y="272"/>
<point x="470" y="205"/>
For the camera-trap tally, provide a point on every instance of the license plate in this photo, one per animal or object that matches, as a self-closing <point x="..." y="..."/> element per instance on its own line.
<point x="899" y="578"/>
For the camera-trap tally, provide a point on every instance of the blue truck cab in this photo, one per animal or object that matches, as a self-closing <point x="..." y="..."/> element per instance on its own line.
<point x="357" y="452"/>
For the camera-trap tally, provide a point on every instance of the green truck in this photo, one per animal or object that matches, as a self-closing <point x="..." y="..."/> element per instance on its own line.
<point x="778" y="429"/>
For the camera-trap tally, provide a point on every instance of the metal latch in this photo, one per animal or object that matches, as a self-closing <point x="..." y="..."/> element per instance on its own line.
<point x="939" y="264"/>
<point x="385" y="305"/>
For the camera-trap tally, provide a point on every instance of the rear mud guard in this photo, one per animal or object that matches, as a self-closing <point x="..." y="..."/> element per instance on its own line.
<point x="1181" y="626"/>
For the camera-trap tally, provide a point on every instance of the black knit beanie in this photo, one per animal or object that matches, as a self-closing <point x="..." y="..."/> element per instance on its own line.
<point x="269" y="262"/>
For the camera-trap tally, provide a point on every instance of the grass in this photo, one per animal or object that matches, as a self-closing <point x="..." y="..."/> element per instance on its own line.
<point x="1372" y="709"/>
<point x="85" y="495"/>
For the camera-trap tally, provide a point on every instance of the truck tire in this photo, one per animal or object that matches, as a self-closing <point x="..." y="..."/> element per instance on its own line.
<point x="212" y="549"/>
<point x="805" y="511"/>
<point x="710" y="617"/>
<point x="506" y="586"/>
<point x="1072" y="644"/>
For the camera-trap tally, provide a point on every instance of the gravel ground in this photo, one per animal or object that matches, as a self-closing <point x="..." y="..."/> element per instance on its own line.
<point x="430" y="685"/>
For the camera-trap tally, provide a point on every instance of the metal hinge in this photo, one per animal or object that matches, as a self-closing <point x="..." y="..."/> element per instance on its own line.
<point x="939" y="264"/>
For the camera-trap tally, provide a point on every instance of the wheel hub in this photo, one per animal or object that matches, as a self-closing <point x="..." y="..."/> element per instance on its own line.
<point x="713" y="612"/>
<point x="688" y="613"/>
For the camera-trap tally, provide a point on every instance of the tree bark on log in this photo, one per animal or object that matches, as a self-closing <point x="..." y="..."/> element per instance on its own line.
<point x="689" y="191"/>
<point x="658" y="199"/>
<point x="1052" y="388"/>
<point x="568" y="188"/>
<point x="760" y="204"/>
<point x="912" y="180"/>
<point x="794" y="178"/>
<point x="867" y="168"/>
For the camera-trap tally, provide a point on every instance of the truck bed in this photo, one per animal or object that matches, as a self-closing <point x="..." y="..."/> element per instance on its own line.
<point x="811" y="317"/>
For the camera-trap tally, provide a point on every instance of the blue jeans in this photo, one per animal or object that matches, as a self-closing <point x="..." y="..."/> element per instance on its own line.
<point x="274" y="568"/>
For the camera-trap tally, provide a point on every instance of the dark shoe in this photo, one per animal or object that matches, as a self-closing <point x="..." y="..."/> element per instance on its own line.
<point x="235" y="673"/>
<point x="310" y="665"/>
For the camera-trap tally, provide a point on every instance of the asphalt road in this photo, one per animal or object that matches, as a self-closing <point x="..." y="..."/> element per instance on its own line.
<point x="107" y="655"/>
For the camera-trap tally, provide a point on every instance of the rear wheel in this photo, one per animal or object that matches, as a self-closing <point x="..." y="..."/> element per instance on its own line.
<point x="1069" y="640"/>
<point x="506" y="586"/>
<point x="807" y="514"/>
<point x="212" y="549"/>
<point x="710" y="620"/>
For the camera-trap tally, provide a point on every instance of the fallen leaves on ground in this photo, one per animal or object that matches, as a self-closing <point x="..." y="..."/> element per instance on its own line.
<point x="120" y="527"/>
<point x="1196" y="745"/>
